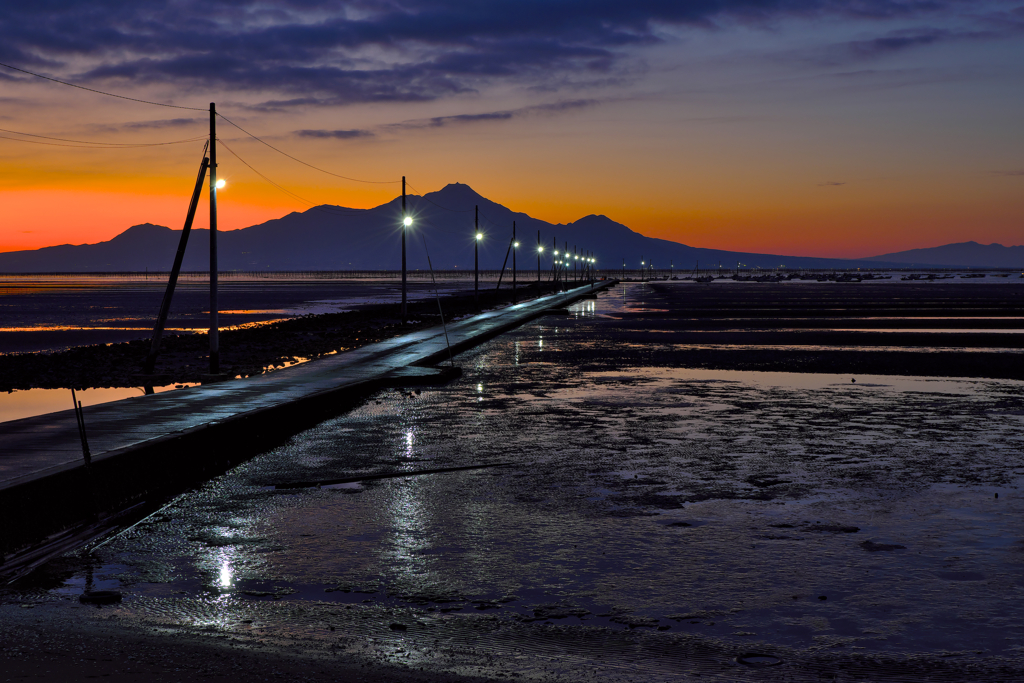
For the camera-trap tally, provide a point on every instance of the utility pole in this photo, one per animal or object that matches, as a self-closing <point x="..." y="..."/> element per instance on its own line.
<point x="214" y="323"/>
<point x="405" y="224"/>
<point x="172" y="281"/>
<point x="476" y="255"/>
<point x="554" y="269"/>
<point x="540" y="248"/>
<point x="515" y="244"/>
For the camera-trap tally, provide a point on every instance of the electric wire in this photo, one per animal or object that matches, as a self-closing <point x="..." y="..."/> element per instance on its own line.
<point x="338" y="211"/>
<point x="93" y="145"/>
<point x="101" y="92"/>
<point x="315" y="168"/>
<point x="116" y="144"/>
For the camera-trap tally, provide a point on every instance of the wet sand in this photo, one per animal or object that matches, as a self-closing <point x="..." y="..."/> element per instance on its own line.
<point x="923" y="329"/>
<point x="650" y="521"/>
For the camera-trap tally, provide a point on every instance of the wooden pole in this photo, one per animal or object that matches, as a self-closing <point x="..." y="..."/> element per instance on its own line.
<point x="172" y="281"/>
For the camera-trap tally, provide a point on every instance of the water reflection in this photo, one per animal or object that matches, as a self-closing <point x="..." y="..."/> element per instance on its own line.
<point x="683" y="503"/>
<point x="226" y="574"/>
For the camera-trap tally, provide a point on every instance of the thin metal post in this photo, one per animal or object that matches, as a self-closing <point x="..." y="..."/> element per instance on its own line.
<point x="538" y="263"/>
<point x="80" y="418"/>
<point x="405" y="309"/>
<point x="214" y="323"/>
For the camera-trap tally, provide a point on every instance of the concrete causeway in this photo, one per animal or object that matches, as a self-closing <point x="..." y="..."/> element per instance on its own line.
<point x="47" y="447"/>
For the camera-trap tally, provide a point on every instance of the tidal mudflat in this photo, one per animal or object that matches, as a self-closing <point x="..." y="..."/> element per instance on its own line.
<point x="629" y="519"/>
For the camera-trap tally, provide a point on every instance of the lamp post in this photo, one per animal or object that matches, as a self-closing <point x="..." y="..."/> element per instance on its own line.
<point x="540" y="250"/>
<point x="476" y="254"/>
<point x="406" y="222"/>
<point x="515" y="245"/>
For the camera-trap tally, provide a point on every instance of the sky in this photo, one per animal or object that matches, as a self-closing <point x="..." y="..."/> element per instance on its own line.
<point x="835" y="128"/>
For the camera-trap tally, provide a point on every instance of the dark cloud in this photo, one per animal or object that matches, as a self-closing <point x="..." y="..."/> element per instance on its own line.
<point x="165" y="123"/>
<point x="831" y="183"/>
<point x="504" y="115"/>
<point x="337" y="134"/>
<point x="1018" y="172"/>
<point x="336" y="52"/>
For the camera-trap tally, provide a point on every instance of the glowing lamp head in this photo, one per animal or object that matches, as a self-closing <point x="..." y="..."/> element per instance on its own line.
<point x="407" y="221"/>
<point x="479" y="236"/>
<point x="221" y="183"/>
<point x="540" y="249"/>
<point x="516" y="245"/>
<point x="556" y="254"/>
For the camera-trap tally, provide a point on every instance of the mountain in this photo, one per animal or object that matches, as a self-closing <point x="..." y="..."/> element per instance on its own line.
<point x="962" y="254"/>
<point x="339" y="238"/>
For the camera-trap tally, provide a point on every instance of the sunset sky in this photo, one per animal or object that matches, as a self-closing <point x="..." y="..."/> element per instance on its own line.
<point x="805" y="127"/>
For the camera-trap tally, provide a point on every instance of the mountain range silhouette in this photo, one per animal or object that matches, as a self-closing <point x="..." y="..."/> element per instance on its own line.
<point x="339" y="238"/>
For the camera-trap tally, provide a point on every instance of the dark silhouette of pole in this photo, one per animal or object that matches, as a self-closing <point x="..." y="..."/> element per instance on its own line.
<point x="554" y="267"/>
<point x="80" y="418"/>
<point x="476" y="254"/>
<point x="214" y="323"/>
<point x="515" y="245"/>
<point x="165" y="305"/>
<point x="405" y="309"/>
<point x="540" y="248"/>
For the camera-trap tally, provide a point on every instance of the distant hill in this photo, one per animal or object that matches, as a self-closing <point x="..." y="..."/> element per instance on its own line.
<point x="339" y="238"/>
<point x="961" y="254"/>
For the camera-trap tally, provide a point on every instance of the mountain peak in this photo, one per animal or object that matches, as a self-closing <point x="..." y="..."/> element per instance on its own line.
<point x="458" y="192"/>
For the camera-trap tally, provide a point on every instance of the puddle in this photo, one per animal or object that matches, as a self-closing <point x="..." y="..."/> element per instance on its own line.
<point x="18" y="404"/>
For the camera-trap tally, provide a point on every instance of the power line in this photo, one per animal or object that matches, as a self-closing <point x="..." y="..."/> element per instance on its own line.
<point x="97" y="145"/>
<point x="101" y="92"/>
<point x="335" y="211"/>
<point x="315" y="168"/>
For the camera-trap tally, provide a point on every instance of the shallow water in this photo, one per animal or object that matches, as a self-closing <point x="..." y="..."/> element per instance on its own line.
<point x="15" y="405"/>
<point x="625" y="521"/>
<point x="41" y="314"/>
